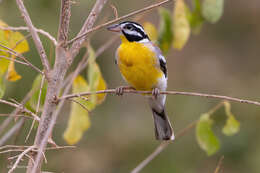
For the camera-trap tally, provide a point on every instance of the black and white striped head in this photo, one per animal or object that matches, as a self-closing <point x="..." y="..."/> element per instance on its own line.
<point x="131" y="30"/>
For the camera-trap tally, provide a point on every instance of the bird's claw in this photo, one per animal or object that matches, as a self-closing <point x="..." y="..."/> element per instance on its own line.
<point x="120" y="91"/>
<point x="155" y="92"/>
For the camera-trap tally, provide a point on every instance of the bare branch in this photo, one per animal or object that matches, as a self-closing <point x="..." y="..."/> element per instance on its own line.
<point x="162" y="146"/>
<point x="35" y="37"/>
<point x="86" y="27"/>
<point x="219" y="164"/>
<point x="20" y="157"/>
<point x="65" y="13"/>
<point x="113" y="91"/>
<point x="24" y="28"/>
<point x="82" y="35"/>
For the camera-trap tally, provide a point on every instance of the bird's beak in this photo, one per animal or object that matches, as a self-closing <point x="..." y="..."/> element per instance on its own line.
<point x="114" y="28"/>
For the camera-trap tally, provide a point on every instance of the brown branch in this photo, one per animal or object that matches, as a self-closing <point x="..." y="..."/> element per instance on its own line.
<point x="162" y="146"/>
<point x="65" y="13"/>
<point x="35" y="37"/>
<point x="20" y="157"/>
<point x="24" y="28"/>
<point x="219" y="164"/>
<point x="82" y="35"/>
<point x="113" y="91"/>
<point x="87" y="26"/>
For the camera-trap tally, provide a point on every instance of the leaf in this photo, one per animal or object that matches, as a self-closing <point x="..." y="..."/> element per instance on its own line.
<point x="151" y="31"/>
<point x="195" y="17"/>
<point x="15" y="41"/>
<point x="165" y="32"/>
<point x="12" y="75"/>
<point x="96" y="81"/>
<point x="212" y="10"/>
<point x="79" y="118"/>
<point x="36" y="91"/>
<point x="232" y="126"/>
<point x="2" y="86"/>
<point x="205" y="136"/>
<point x="181" y="26"/>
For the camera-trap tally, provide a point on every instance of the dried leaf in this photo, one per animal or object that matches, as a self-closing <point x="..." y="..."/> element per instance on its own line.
<point x="205" y="136"/>
<point x="12" y="75"/>
<point x="181" y="26"/>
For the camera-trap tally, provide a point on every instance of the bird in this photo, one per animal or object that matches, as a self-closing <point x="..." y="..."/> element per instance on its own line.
<point x="143" y="67"/>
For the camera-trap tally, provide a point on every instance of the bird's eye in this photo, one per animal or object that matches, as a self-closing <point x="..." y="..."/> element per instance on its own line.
<point x="129" y="28"/>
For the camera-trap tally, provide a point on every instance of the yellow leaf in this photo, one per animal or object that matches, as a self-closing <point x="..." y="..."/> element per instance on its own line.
<point x="181" y="26"/>
<point x="151" y="31"/>
<point x="12" y="75"/>
<point x="18" y="42"/>
<point x="79" y="118"/>
<point x="101" y="86"/>
<point x="15" y="41"/>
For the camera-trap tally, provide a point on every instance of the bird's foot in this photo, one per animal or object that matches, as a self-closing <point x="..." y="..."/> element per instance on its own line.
<point x="155" y="92"/>
<point x="120" y="90"/>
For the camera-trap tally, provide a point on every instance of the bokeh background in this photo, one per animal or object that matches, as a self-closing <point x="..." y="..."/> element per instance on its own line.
<point x="223" y="59"/>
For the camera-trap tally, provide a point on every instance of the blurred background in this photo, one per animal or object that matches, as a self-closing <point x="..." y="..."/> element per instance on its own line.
<point x="223" y="59"/>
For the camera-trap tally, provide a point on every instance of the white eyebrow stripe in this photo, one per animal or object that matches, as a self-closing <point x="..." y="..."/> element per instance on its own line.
<point x="133" y="33"/>
<point x="137" y="26"/>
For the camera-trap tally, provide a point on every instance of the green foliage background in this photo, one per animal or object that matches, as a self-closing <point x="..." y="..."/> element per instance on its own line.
<point x="222" y="59"/>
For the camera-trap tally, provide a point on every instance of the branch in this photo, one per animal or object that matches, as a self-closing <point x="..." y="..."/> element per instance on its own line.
<point x="20" y="157"/>
<point x="118" y="19"/>
<point x="24" y="28"/>
<point x="162" y="146"/>
<point x="35" y="37"/>
<point x="113" y="91"/>
<point x="65" y="13"/>
<point x="86" y="27"/>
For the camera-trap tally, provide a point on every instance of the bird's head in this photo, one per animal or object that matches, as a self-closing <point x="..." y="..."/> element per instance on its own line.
<point x="131" y="30"/>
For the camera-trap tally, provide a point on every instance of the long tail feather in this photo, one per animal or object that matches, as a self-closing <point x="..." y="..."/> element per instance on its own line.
<point x="162" y="125"/>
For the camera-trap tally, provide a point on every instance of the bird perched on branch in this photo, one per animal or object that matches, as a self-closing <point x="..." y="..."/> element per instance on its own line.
<point x="143" y="66"/>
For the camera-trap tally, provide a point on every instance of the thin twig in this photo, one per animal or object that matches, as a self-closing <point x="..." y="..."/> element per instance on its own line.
<point x="113" y="91"/>
<point x="87" y="26"/>
<point x="24" y="28"/>
<point x="13" y="52"/>
<point x="12" y="59"/>
<point x="20" y="157"/>
<point x="35" y="37"/>
<point x="161" y="147"/>
<point x="219" y="164"/>
<point x="20" y="107"/>
<point x="37" y="107"/>
<point x="118" y="19"/>
<point x="77" y="102"/>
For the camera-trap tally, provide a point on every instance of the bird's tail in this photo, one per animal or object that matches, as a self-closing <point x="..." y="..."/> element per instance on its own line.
<point x="162" y="125"/>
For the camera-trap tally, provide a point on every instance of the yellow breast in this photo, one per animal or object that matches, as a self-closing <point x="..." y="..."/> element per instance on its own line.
<point x="138" y="65"/>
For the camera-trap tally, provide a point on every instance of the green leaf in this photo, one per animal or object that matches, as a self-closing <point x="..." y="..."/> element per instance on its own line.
<point x="79" y="118"/>
<point x="205" y="136"/>
<point x="181" y="26"/>
<point x="232" y="126"/>
<point x="36" y="91"/>
<point x="195" y="17"/>
<point x="2" y="86"/>
<point x="165" y="32"/>
<point x="212" y="10"/>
